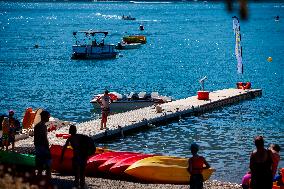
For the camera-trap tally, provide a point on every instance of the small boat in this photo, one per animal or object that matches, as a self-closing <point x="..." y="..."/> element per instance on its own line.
<point x="90" y="48"/>
<point x="123" y="45"/>
<point x="123" y="164"/>
<point x="164" y="169"/>
<point x="134" y="39"/>
<point x="127" y="18"/>
<point x="131" y="101"/>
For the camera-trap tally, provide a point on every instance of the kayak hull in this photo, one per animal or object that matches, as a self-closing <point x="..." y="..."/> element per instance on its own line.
<point x="163" y="169"/>
<point x="122" y="165"/>
<point x="110" y="162"/>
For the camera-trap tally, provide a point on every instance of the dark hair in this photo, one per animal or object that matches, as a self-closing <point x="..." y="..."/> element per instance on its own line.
<point x="194" y="148"/>
<point x="276" y="147"/>
<point x="72" y="130"/>
<point x="44" y="114"/>
<point x="106" y="91"/>
<point x="259" y="141"/>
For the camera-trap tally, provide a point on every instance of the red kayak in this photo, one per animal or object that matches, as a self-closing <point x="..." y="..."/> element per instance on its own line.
<point x="64" y="136"/>
<point x="122" y="165"/>
<point x="66" y="164"/>
<point x="110" y="162"/>
<point x="95" y="161"/>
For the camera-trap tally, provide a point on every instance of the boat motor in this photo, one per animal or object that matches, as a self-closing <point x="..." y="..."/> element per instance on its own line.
<point x="201" y="81"/>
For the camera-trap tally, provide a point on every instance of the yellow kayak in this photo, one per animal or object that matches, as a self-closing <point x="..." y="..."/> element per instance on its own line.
<point x="163" y="169"/>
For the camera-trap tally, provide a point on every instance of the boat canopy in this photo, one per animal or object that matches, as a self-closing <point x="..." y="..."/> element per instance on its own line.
<point x="91" y="32"/>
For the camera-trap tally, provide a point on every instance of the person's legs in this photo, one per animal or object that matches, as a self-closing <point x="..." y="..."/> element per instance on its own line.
<point x="76" y="169"/>
<point x="104" y="119"/>
<point x="196" y="182"/>
<point x="82" y="176"/>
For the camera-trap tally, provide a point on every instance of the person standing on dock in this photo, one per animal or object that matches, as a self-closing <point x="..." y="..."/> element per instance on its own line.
<point x="261" y="166"/>
<point x="42" y="151"/>
<point x="105" y="108"/>
<point x="195" y="167"/>
<point x="83" y="146"/>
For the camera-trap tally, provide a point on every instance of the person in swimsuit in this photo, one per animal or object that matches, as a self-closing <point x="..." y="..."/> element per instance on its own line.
<point x="261" y="166"/>
<point x="105" y="108"/>
<point x="196" y="164"/>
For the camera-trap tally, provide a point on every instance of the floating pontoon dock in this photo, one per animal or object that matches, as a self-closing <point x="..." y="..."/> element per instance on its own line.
<point x="119" y="123"/>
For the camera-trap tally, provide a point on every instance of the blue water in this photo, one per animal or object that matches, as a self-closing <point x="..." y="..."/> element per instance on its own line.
<point x="185" y="41"/>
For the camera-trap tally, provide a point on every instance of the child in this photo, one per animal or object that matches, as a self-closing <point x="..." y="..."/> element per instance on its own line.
<point x="246" y="180"/>
<point x="195" y="167"/>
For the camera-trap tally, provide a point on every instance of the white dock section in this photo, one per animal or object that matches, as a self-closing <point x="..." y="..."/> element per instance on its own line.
<point x="121" y="122"/>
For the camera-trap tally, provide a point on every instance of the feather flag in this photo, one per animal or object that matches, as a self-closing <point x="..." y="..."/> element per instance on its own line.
<point x="238" y="47"/>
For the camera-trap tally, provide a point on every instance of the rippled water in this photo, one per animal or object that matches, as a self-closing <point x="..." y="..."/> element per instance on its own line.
<point x="185" y="41"/>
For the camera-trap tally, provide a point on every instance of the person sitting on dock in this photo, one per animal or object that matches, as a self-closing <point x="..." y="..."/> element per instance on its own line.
<point x="83" y="146"/>
<point x="105" y="108"/>
<point x="42" y="151"/>
<point x="195" y="166"/>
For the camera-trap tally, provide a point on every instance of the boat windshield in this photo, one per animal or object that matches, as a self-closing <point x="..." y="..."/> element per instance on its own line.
<point x="89" y="37"/>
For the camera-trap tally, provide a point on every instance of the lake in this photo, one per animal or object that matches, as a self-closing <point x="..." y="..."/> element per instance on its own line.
<point x="185" y="42"/>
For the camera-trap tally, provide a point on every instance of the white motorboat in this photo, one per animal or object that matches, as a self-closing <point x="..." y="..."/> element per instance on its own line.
<point x="123" y="45"/>
<point x="87" y="46"/>
<point x="132" y="101"/>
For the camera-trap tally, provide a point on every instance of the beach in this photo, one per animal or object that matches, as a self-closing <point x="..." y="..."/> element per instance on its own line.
<point x="67" y="182"/>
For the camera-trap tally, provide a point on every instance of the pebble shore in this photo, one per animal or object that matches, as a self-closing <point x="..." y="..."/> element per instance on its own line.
<point x="66" y="182"/>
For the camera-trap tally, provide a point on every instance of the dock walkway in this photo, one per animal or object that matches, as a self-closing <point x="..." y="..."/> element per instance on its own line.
<point x="119" y="123"/>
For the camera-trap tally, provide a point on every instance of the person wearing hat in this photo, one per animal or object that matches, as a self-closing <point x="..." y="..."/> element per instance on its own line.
<point x="196" y="164"/>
